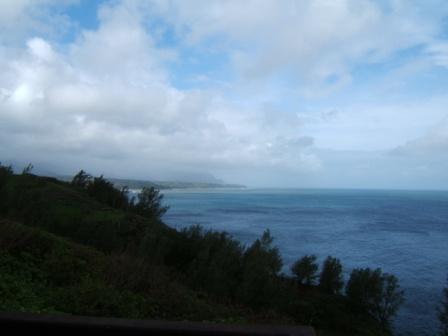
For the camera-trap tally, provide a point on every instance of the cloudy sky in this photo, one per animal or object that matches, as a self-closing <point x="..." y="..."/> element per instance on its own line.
<point x="324" y="93"/>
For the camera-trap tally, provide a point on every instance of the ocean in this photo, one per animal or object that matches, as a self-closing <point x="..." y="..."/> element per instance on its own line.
<point x="403" y="232"/>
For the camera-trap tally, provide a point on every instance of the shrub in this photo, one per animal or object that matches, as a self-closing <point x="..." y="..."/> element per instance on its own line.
<point x="443" y="313"/>
<point x="82" y="179"/>
<point x="305" y="270"/>
<point x="5" y="173"/>
<point x="330" y="279"/>
<point x="149" y="204"/>
<point x="28" y="169"/>
<point x="261" y="264"/>
<point x="375" y="292"/>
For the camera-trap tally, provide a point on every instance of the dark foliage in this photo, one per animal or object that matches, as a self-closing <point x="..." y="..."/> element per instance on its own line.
<point x="376" y="292"/>
<point x="28" y="169"/>
<point x="102" y="190"/>
<point x="209" y="261"/>
<point x="261" y="264"/>
<point x="5" y="173"/>
<point x="305" y="270"/>
<point x="330" y="279"/>
<point x="443" y="312"/>
<point x="81" y="179"/>
<point x="149" y="204"/>
<point x="105" y="192"/>
<point x="132" y="265"/>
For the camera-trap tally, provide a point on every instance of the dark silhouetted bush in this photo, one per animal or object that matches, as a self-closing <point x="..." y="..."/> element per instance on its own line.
<point x="305" y="270"/>
<point x="28" y="169"/>
<point x="261" y="264"/>
<point x="131" y="264"/>
<point x="81" y="179"/>
<point x="5" y="173"/>
<point x="376" y="292"/>
<point x="330" y="279"/>
<point x="149" y="204"/>
<point x="443" y="312"/>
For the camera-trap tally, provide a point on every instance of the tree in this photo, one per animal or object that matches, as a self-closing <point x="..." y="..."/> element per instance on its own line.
<point x="443" y="312"/>
<point x="375" y="292"/>
<point x="103" y="190"/>
<point x="27" y="169"/>
<point x="82" y="179"/>
<point x="123" y="201"/>
<point x="210" y="260"/>
<point x="305" y="269"/>
<point x="149" y="203"/>
<point x="330" y="279"/>
<point x="5" y="173"/>
<point x="273" y="259"/>
<point x="6" y="169"/>
<point x="261" y="264"/>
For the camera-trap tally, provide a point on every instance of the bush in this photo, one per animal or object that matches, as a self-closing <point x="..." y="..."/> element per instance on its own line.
<point x="102" y="190"/>
<point x="21" y="286"/>
<point x="159" y="272"/>
<point x="81" y="180"/>
<point x="261" y="264"/>
<point x="375" y="292"/>
<point x="305" y="270"/>
<point x="105" y="192"/>
<point x="330" y="279"/>
<point x="149" y="204"/>
<point x="28" y="169"/>
<point x="5" y="173"/>
<point x="443" y="313"/>
<point x="92" y="297"/>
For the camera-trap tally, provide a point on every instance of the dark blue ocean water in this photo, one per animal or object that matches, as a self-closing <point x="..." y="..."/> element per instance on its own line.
<point x="403" y="232"/>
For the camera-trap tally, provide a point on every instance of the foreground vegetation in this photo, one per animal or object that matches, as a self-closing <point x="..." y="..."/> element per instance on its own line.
<point x="86" y="248"/>
<point x="443" y="312"/>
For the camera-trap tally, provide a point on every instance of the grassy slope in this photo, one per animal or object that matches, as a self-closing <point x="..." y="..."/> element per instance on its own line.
<point x="97" y="278"/>
<point x="58" y="208"/>
<point x="43" y="267"/>
<point x="41" y="272"/>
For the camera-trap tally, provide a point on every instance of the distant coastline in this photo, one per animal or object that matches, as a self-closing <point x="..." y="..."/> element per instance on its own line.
<point x="164" y="185"/>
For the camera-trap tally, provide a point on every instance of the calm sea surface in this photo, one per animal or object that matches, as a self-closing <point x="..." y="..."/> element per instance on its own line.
<point x="403" y="232"/>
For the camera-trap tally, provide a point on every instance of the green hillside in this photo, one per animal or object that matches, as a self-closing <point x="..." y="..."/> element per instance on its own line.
<point x="65" y="249"/>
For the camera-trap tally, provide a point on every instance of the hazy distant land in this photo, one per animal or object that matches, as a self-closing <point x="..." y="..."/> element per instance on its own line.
<point x="164" y="185"/>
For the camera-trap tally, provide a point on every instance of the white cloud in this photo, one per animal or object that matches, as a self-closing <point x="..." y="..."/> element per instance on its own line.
<point x="314" y="41"/>
<point x="373" y="126"/>
<point x="120" y="50"/>
<point x="434" y="143"/>
<point x="439" y="53"/>
<point x="11" y="10"/>
<point x="41" y="50"/>
<point x="20" y="18"/>
<point x="108" y="98"/>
